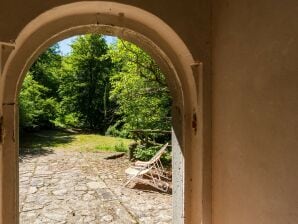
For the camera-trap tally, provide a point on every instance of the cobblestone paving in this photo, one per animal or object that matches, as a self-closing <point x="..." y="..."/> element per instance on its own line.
<point x="72" y="187"/>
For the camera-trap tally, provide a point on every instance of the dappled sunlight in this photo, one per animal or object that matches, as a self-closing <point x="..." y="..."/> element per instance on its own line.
<point x="78" y="111"/>
<point x="46" y="138"/>
<point x="70" y="140"/>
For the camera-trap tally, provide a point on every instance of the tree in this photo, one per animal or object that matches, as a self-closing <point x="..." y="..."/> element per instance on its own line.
<point x="85" y="83"/>
<point x="46" y="70"/>
<point x="36" y="108"/>
<point x="38" y="97"/>
<point x="96" y="87"/>
<point x="139" y="88"/>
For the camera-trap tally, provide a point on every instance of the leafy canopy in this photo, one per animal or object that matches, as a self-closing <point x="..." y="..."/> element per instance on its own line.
<point x="108" y="88"/>
<point x="139" y="88"/>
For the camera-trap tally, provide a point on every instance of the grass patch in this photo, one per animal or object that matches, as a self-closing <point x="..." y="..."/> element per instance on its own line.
<point x="73" y="141"/>
<point x="118" y="146"/>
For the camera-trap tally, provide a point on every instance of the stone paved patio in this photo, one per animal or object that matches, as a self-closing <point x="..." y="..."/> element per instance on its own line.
<point x="73" y="187"/>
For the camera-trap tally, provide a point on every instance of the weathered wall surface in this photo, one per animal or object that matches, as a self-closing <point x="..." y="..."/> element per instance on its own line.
<point x="183" y="16"/>
<point x="255" y="112"/>
<point x="254" y="96"/>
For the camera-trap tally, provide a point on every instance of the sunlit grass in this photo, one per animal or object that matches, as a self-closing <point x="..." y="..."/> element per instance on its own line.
<point x="94" y="142"/>
<point x="64" y="140"/>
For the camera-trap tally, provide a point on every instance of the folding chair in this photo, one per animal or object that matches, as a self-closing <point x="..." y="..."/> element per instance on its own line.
<point x="149" y="172"/>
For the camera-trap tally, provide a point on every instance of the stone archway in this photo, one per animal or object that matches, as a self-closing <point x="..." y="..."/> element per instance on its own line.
<point x="137" y="26"/>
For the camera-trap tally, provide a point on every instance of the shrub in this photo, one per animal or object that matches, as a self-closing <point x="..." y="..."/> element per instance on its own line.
<point x="120" y="147"/>
<point x="112" y="131"/>
<point x="146" y="153"/>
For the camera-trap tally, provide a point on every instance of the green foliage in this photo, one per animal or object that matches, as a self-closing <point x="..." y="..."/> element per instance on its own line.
<point x="36" y="108"/>
<point x="66" y="140"/>
<point x="85" y="84"/>
<point x="104" y="148"/>
<point x="146" y="153"/>
<point x="139" y="88"/>
<point x="120" y="147"/>
<point x="46" y="70"/>
<point x="114" y="130"/>
<point x="112" y="90"/>
<point x="66" y="120"/>
<point x="38" y="97"/>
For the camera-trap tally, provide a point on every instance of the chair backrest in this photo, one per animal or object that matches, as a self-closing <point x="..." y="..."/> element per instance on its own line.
<point x="158" y="154"/>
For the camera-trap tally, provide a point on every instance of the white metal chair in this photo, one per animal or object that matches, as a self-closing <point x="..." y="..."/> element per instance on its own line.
<point x="149" y="172"/>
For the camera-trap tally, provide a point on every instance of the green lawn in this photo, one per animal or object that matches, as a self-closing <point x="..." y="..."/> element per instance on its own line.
<point x="66" y="140"/>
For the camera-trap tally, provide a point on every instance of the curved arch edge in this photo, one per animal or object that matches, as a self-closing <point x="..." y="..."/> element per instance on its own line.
<point x="163" y="43"/>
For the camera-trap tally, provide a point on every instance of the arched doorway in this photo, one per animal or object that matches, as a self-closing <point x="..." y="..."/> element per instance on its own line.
<point x="148" y="32"/>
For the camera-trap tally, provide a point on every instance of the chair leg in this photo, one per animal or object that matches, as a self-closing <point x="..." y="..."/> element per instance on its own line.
<point x="129" y="180"/>
<point x="157" y="183"/>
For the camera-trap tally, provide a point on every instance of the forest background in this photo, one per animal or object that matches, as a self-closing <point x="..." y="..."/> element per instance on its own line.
<point x="111" y="89"/>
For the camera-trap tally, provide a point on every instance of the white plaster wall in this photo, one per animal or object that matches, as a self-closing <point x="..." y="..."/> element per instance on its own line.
<point x="255" y="112"/>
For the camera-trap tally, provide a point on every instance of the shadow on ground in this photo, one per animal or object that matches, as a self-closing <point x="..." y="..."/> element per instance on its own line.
<point x="50" y="138"/>
<point x="42" y="143"/>
<point x="145" y="187"/>
<point x="25" y="152"/>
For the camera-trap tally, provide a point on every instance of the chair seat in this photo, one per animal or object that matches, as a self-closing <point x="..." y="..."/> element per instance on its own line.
<point x="151" y="172"/>
<point x="134" y="171"/>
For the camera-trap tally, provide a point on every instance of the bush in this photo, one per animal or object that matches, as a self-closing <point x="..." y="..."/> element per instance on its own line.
<point x="112" y="131"/>
<point x="146" y="153"/>
<point x="124" y="133"/>
<point x="120" y="147"/>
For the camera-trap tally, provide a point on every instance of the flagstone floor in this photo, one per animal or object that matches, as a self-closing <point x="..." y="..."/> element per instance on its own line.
<point x="73" y="187"/>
